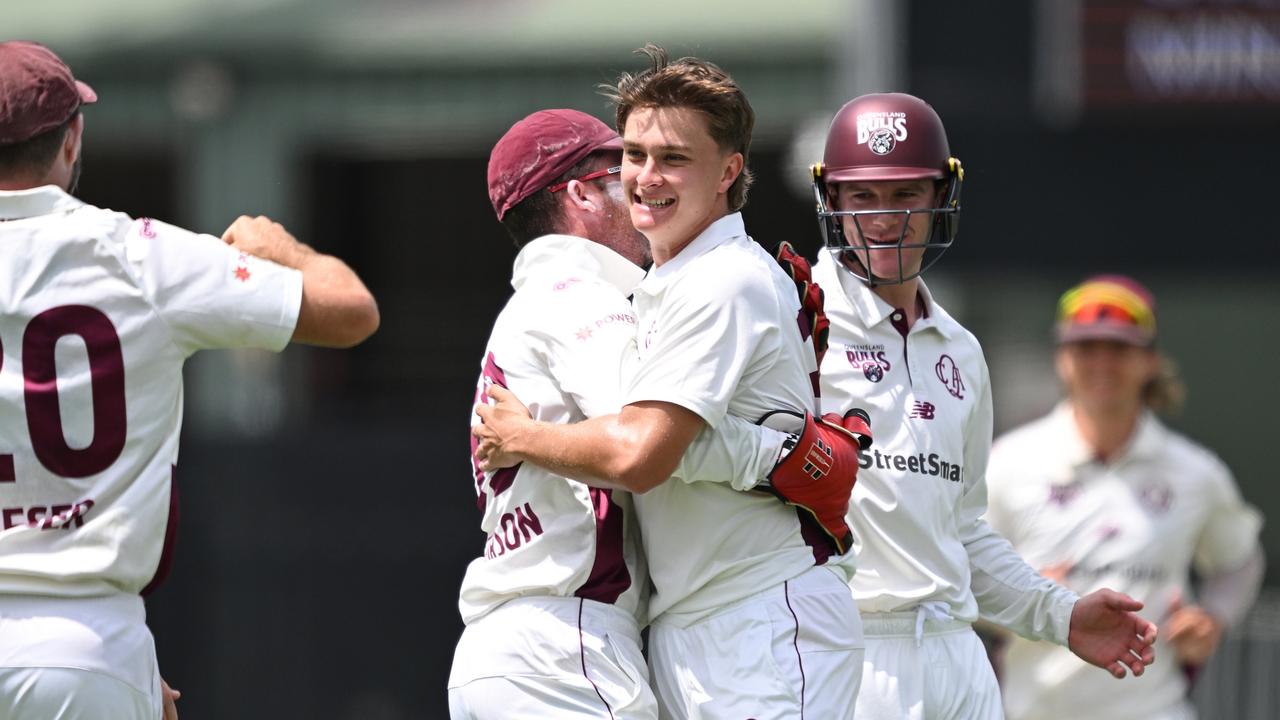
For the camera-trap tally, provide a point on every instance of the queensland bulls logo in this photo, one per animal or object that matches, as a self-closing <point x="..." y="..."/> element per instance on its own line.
<point x="1062" y="495"/>
<point x="870" y="359"/>
<point x="873" y="371"/>
<point x="949" y="375"/>
<point x="1156" y="498"/>
<point x="882" y="142"/>
<point x="882" y="131"/>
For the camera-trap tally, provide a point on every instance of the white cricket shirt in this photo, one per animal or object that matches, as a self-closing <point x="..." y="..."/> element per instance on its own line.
<point x="1137" y="524"/>
<point x="99" y="313"/>
<point x="719" y="336"/>
<point x="917" y="508"/>
<point x="563" y="344"/>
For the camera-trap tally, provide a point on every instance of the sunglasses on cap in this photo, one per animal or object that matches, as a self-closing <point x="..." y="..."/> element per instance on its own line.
<point x="589" y="176"/>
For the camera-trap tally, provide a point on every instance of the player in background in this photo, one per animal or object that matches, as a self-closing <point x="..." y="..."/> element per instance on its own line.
<point x="98" y="312"/>
<point x="553" y="607"/>
<point x="1100" y="493"/>
<point x="888" y="194"/>
<point x="751" y="615"/>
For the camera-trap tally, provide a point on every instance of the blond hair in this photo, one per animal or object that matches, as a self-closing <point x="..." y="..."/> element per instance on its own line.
<point x="1165" y="393"/>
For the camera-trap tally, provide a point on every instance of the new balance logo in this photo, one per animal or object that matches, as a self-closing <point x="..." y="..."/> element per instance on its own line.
<point x="923" y="410"/>
<point x="817" y="460"/>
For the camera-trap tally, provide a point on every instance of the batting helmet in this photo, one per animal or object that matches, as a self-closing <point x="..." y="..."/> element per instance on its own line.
<point x="887" y="136"/>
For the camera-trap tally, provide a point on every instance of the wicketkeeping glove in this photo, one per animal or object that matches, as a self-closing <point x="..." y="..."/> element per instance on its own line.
<point x="797" y="267"/>
<point x="817" y="472"/>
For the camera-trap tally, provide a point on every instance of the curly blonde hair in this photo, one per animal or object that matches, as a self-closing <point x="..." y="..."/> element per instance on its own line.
<point x="1165" y="393"/>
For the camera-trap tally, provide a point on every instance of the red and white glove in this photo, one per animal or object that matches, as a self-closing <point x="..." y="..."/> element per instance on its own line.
<point x="813" y="321"/>
<point x="817" y="472"/>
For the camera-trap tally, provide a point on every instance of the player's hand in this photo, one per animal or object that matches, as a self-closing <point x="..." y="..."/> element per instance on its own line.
<point x="1057" y="572"/>
<point x="501" y="422"/>
<point x="265" y="238"/>
<point x="819" y="472"/>
<point x="1105" y="631"/>
<point x="1192" y="632"/>
<point x="171" y="697"/>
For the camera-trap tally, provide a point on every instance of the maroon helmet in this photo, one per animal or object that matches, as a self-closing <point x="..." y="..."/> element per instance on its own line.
<point x="888" y="136"/>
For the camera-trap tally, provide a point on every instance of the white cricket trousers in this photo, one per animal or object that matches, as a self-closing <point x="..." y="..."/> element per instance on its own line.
<point x="77" y="659"/>
<point x="921" y="668"/>
<point x="548" y="657"/>
<point x="792" y="652"/>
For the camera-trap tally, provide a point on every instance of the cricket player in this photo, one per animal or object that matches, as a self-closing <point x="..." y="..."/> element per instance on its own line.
<point x="751" y="614"/>
<point x="553" y="606"/>
<point x="1099" y="493"/>
<point x="888" y="192"/>
<point x="99" y="312"/>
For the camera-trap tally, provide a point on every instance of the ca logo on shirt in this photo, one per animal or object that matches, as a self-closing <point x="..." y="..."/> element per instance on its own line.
<point x="949" y="375"/>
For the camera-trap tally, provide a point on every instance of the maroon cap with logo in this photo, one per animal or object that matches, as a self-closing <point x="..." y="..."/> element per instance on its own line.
<point x="37" y="91"/>
<point x="541" y="148"/>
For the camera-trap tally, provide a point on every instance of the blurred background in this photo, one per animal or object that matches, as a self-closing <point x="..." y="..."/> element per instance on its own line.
<point x="327" y="511"/>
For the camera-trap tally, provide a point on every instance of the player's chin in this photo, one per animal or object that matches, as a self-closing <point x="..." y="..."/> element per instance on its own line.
<point x="642" y="217"/>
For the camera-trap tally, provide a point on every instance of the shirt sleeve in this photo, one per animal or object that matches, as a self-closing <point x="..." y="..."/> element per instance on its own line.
<point x="1000" y="513"/>
<point x="1009" y="592"/>
<point x="210" y="294"/>
<point x="735" y="452"/>
<point x="710" y="327"/>
<point x="1231" y="530"/>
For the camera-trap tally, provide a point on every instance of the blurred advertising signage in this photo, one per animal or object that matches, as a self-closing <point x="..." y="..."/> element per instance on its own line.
<point x="1119" y="55"/>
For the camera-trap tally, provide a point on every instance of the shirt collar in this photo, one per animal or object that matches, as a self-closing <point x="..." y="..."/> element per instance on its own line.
<point x="1147" y="439"/>
<point x="1068" y="440"/>
<point x="33" y="202"/>
<point x="867" y="307"/>
<point x="717" y="233"/>
<point x="567" y="253"/>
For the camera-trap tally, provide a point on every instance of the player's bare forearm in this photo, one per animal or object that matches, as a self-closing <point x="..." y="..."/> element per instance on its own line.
<point x="636" y="450"/>
<point x="337" y="309"/>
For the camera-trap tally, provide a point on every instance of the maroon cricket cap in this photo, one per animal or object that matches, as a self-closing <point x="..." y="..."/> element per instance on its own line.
<point x="37" y="91"/>
<point x="541" y="148"/>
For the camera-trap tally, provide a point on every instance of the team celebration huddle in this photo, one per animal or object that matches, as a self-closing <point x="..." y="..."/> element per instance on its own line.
<point x="778" y="470"/>
<point x="716" y="482"/>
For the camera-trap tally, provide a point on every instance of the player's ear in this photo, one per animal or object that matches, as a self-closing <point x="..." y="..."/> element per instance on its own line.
<point x="732" y="169"/>
<point x="1062" y="362"/>
<point x="71" y="142"/>
<point x="581" y="197"/>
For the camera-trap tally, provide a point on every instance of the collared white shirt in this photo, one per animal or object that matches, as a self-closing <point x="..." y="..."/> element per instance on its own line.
<point x="1136" y="524"/>
<point x="565" y="344"/>
<point x="719" y="335"/>
<point x="99" y="312"/>
<point x="917" y="508"/>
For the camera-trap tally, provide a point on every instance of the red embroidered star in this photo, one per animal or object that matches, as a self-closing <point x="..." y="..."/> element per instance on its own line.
<point x="242" y="273"/>
<point x="584" y="334"/>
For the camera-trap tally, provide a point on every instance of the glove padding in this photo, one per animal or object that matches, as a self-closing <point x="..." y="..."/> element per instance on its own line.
<point x="813" y="321"/>
<point x="819" y="472"/>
